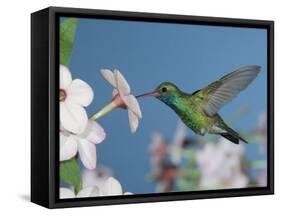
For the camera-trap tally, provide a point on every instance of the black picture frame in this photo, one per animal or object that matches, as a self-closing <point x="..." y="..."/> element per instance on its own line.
<point x="45" y="106"/>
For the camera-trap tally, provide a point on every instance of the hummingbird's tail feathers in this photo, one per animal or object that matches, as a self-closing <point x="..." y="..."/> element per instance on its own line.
<point x="230" y="138"/>
<point x="232" y="135"/>
<point x="234" y="139"/>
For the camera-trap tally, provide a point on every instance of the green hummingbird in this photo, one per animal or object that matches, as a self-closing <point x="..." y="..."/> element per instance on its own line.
<point x="199" y="110"/>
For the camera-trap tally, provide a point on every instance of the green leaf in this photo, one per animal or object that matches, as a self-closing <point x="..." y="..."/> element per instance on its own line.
<point x="67" y="35"/>
<point x="70" y="173"/>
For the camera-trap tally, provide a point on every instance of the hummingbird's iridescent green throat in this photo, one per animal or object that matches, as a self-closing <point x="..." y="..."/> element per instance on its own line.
<point x="198" y="110"/>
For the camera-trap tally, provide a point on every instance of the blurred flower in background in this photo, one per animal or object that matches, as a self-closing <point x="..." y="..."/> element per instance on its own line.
<point x="166" y="158"/>
<point x="262" y="131"/>
<point x="164" y="171"/>
<point x="188" y="163"/>
<point x="157" y="150"/>
<point x="261" y="178"/>
<point x="221" y="165"/>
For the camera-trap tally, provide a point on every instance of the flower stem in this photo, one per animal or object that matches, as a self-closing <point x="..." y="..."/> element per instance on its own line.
<point x="106" y="109"/>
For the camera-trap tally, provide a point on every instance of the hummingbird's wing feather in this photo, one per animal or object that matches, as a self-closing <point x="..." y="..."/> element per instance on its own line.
<point x="218" y="93"/>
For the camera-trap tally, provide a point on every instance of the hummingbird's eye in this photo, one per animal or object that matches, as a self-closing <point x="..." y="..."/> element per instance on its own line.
<point x="164" y="89"/>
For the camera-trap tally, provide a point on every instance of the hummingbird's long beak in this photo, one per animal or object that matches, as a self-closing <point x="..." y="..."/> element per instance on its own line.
<point x="153" y="94"/>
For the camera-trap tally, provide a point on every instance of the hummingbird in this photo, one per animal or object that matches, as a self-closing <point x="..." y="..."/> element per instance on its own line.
<point x="199" y="110"/>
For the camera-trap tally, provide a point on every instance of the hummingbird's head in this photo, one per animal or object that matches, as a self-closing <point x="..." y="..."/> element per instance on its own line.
<point x="166" y="92"/>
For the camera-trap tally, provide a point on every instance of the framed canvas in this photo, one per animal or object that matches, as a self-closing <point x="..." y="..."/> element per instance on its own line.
<point x="139" y="107"/>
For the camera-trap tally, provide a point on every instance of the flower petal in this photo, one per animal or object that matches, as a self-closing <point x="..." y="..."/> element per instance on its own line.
<point x="65" y="77"/>
<point x="66" y="193"/>
<point x="239" y="181"/>
<point x="133" y="121"/>
<point x="114" y="92"/>
<point x="73" y="117"/>
<point x="132" y="104"/>
<point x="88" y="154"/>
<point x="122" y="84"/>
<point x="93" y="132"/>
<point x="111" y="187"/>
<point x="79" y="92"/>
<point x="96" y="177"/>
<point x="88" y="192"/>
<point x="68" y="146"/>
<point x="108" y="75"/>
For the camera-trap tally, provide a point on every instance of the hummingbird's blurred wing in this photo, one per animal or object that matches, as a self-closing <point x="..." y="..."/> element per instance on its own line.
<point x="218" y="93"/>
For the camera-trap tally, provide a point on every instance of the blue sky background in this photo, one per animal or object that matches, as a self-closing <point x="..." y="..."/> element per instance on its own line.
<point x="191" y="56"/>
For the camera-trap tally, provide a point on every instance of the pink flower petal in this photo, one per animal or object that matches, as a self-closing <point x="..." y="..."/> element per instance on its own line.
<point x="73" y="117"/>
<point x="87" y="153"/>
<point x="133" y="121"/>
<point x="65" y="77"/>
<point x="79" y="92"/>
<point x="94" y="132"/>
<point x="132" y="104"/>
<point x="108" y="75"/>
<point x="68" y="146"/>
<point x="122" y="84"/>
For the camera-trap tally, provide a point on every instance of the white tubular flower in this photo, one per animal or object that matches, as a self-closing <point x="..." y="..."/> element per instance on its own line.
<point x="74" y="96"/>
<point x="122" y="98"/>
